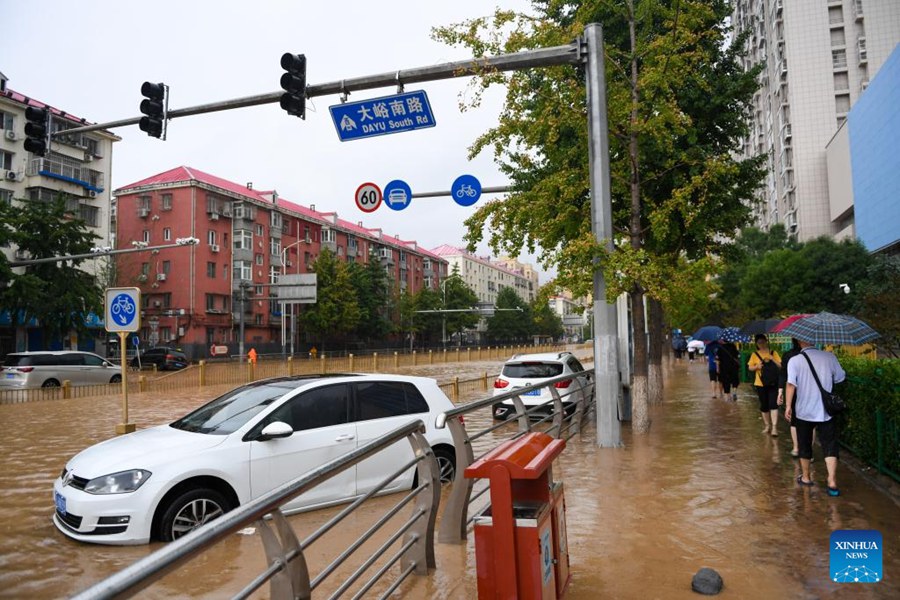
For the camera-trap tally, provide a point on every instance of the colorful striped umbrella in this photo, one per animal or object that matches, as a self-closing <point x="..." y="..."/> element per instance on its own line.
<point x="785" y="322"/>
<point x="828" y="328"/>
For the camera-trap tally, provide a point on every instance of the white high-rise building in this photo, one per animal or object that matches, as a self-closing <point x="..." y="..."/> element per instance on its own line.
<point x="818" y="57"/>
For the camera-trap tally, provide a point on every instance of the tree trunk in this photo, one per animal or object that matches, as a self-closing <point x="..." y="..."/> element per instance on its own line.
<point x="655" y="371"/>
<point x="640" y="416"/>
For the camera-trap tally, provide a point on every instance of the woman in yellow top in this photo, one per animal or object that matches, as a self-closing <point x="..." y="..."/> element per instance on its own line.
<point x="767" y="365"/>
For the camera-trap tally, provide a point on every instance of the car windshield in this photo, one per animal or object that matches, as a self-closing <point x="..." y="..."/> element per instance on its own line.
<point x="532" y="370"/>
<point x="226" y="414"/>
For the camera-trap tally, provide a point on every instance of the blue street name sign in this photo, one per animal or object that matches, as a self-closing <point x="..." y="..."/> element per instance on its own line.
<point x="381" y="116"/>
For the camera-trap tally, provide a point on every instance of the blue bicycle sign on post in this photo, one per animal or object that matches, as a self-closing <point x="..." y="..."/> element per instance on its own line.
<point x="123" y="315"/>
<point x="466" y="190"/>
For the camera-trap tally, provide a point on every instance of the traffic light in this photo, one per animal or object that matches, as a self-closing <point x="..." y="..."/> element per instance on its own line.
<point x="294" y="84"/>
<point x="37" y="130"/>
<point x="156" y="106"/>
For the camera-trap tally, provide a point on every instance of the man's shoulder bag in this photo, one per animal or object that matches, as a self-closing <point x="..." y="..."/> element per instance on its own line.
<point x="834" y="404"/>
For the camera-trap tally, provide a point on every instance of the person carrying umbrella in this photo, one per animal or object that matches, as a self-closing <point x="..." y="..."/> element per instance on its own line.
<point x="803" y="394"/>
<point x="767" y="365"/>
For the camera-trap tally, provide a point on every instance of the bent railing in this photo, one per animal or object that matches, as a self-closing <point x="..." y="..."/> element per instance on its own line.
<point x="287" y="572"/>
<point x="455" y="519"/>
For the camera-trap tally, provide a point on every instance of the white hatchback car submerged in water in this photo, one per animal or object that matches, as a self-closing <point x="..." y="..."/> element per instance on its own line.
<point x="162" y="482"/>
<point x="533" y="369"/>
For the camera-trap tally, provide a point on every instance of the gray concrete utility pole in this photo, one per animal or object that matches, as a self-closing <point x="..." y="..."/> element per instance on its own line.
<point x="606" y="352"/>
<point x="586" y="51"/>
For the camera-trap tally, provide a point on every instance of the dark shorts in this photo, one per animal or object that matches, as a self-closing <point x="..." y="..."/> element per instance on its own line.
<point x="828" y="437"/>
<point x="768" y="397"/>
<point x="727" y="385"/>
<point x="713" y="376"/>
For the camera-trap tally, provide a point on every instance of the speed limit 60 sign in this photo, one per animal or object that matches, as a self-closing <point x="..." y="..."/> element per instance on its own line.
<point x="368" y="197"/>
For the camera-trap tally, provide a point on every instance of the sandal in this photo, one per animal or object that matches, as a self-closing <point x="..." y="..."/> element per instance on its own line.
<point x="833" y="491"/>
<point x="806" y="483"/>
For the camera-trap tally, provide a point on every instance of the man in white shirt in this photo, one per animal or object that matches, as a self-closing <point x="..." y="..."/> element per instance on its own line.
<point x="804" y="401"/>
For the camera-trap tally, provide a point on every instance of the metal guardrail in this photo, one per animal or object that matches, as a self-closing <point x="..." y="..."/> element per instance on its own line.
<point x="455" y="519"/>
<point x="287" y="572"/>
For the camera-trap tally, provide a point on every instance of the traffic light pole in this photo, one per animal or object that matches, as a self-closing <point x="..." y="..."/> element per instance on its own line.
<point x="587" y="51"/>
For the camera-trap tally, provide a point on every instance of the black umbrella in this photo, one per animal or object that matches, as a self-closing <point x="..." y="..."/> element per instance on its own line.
<point x="760" y="326"/>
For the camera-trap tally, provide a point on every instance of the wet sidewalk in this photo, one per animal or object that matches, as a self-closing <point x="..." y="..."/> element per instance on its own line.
<point x="704" y="489"/>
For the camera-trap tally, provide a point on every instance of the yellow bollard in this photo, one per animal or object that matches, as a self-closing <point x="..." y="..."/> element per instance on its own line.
<point x="415" y="359"/>
<point x="456" y="389"/>
<point x="457" y="355"/>
<point x="202" y="373"/>
<point x="375" y="362"/>
<point x="290" y="361"/>
<point x="430" y="357"/>
<point x="468" y="355"/>
<point x="67" y="389"/>
<point x="351" y="362"/>
<point x="396" y="360"/>
<point x="484" y="380"/>
<point x="445" y="355"/>
<point x="142" y="383"/>
<point x="322" y="364"/>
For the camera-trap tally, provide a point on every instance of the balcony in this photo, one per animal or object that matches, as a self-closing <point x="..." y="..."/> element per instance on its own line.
<point x="857" y="10"/>
<point x="67" y="170"/>
<point x="861" y="50"/>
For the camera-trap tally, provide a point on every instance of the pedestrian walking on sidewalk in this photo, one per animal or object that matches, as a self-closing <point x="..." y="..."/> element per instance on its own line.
<point x="805" y="406"/>
<point x="711" y="351"/>
<point x="782" y="383"/>
<point x="767" y="364"/>
<point x="729" y="362"/>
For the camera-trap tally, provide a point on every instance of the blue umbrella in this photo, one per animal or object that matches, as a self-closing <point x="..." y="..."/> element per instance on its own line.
<point x="733" y="334"/>
<point x="828" y="328"/>
<point x="707" y="333"/>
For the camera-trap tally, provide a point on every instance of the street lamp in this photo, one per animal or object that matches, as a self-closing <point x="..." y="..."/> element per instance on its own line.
<point x="243" y="289"/>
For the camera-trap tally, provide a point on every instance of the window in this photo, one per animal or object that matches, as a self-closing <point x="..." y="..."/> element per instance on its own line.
<point x="167" y="201"/>
<point x="210" y="302"/>
<point x="224" y="271"/>
<point x="211" y="237"/>
<point x="211" y="270"/>
<point x="243" y="239"/>
<point x="6" y="196"/>
<point x="145" y="201"/>
<point x="167" y="267"/>
<point x="306" y="234"/>
<point x="276" y="220"/>
<point x="7" y="121"/>
<point x="167" y="234"/>
<point x="321" y="407"/>
<point x="259" y="230"/>
<point x="243" y="270"/>
<point x="379" y="399"/>
<point x="275" y="246"/>
<point x="259" y="259"/>
<point x="6" y="161"/>
<point x="145" y="269"/>
<point x="146" y="236"/>
<point x="329" y="235"/>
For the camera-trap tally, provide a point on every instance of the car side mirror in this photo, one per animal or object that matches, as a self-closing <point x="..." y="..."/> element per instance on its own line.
<point x="276" y="430"/>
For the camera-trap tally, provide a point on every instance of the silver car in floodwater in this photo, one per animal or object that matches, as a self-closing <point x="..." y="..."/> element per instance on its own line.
<point x="45" y="369"/>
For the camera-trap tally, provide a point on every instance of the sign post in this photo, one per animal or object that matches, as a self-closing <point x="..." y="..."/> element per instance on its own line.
<point x="123" y="316"/>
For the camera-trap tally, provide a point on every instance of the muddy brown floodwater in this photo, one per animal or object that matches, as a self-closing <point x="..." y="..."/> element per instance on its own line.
<point x="704" y="488"/>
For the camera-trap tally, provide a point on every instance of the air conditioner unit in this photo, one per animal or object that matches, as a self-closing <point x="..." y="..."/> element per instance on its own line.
<point x="213" y="247"/>
<point x="308" y="240"/>
<point x="213" y="216"/>
<point x="143" y="212"/>
<point x="92" y="193"/>
<point x="289" y="263"/>
<point x="157" y="303"/>
<point x="11" y="135"/>
<point x="21" y="254"/>
<point x="12" y="175"/>
<point x="160" y="276"/>
<point x="88" y="157"/>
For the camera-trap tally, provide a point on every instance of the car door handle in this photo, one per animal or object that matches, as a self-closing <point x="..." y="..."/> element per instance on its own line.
<point x="345" y="437"/>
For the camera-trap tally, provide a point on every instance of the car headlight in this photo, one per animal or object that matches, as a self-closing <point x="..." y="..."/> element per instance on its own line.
<point x="117" y="483"/>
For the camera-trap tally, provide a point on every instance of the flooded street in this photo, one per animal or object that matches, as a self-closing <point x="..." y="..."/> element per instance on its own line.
<point x="705" y="488"/>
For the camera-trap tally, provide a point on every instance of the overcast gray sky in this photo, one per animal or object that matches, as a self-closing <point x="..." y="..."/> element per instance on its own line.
<point x="89" y="58"/>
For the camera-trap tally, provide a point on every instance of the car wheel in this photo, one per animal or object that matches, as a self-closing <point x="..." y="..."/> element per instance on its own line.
<point x="446" y="459"/>
<point x="115" y="379"/>
<point x="190" y="510"/>
<point x="50" y="383"/>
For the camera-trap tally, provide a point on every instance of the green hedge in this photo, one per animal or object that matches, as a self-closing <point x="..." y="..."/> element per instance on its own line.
<point x="871" y="426"/>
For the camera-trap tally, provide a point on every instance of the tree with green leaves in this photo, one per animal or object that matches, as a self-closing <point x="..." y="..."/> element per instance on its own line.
<point x="336" y="311"/>
<point x="428" y="325"/>
<point x="373" y="296"/>
<point x="513" y="323"/>
<point x="877" y="302"/>
<point x="58" y="294"/>
<point x="677" y="105"/>
<point x="458" y="296"/>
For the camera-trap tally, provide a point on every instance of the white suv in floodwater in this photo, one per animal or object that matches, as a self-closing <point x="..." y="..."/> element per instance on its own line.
<point x="532" y="369"/>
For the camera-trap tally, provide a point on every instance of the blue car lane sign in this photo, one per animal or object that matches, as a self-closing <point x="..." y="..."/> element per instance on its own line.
<point x="123" y="309"/>
<point x="381" y="116"/>
<point x="397" y="194"/>
<point x="466" y="190"/>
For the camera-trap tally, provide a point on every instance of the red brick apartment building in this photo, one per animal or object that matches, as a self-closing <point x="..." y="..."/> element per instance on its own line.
<point x="190" y="294"/>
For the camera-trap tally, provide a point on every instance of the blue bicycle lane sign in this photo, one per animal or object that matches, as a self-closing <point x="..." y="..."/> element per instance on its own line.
<point x="123" y="309"/>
